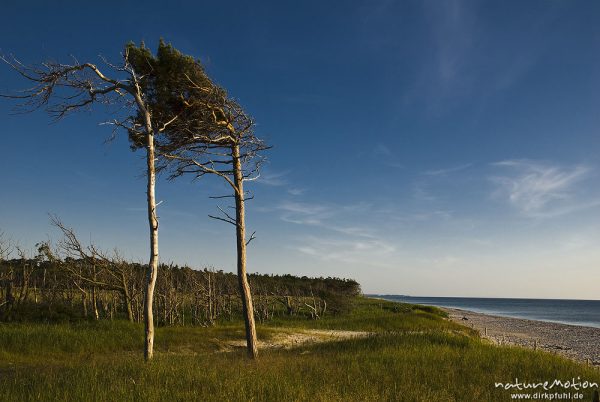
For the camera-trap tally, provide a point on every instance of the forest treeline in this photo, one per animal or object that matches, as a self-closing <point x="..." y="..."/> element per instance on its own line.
<point x="48" y="288"/>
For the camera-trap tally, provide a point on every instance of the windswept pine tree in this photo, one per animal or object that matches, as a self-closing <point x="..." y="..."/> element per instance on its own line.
<point x="205" y="132"/>
<point x="171" y="106"/>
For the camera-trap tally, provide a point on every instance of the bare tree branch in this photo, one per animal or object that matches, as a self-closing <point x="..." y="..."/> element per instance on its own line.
<point x="252" y="237"/>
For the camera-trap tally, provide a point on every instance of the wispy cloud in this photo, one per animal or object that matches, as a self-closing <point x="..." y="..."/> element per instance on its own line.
<point x="456" y="71"/>
<point x="273" y="178"/>
<point x="296" y="191"/>
<point x="453" y="29"/>
<point x="324" y="216"/>
<point x="326" y="235"/>
<point x="420" y="192"/>
<point x="454" y="40"/>
<point x="576" y="242"/>
<point x="421" y="216"/>
<point x="303" y="213"/>
<point x="542" y="190"/>
<point x="302" y="208"/>
<point x="447" y="171"/>
<point x="280" y="179"/>
<point x="381" y="149"/>
<point x="384" y="154"/>
<point x="352" y="251"/>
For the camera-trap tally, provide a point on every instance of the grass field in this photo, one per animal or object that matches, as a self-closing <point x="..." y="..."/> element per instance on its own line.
<point x="414" y="355"/>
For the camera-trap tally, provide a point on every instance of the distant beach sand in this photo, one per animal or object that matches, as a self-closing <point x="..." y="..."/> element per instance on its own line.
<point x="576" y="342"/>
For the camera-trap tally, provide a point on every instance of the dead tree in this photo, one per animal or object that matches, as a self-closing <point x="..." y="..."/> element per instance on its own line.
<point x="104" y="272"/>
<point x="64" y="88"/>
<point x="6" y="248"/>
<point x="234" y="157"/>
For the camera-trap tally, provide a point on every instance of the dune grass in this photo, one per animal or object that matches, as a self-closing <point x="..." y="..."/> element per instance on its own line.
<point x="414" y="355"/>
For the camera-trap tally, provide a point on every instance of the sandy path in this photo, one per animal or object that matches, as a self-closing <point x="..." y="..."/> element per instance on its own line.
<point x="576" y="342"/>
<point x="289" y="338"/>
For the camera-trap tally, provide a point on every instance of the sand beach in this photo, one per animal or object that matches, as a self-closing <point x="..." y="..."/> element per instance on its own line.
<point x="573" y="341"/>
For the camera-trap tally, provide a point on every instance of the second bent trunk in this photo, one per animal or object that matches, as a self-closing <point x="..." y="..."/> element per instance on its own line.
<point x="245" y="293"/>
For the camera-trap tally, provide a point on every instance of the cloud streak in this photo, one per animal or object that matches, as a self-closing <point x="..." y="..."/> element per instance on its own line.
<point x="322" y="216"/>
<point x="273" y="178"/>
<point x="351" y="251"/>
<point x="447" y="171"/>
<point x="540" y="190"/>
<point x="330" y="239"/>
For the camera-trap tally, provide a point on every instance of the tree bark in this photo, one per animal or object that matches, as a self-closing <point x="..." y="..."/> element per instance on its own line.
<point x="95" y="303"/>
<point x="95" y="296"/>
<point x="84" y="303"/>
<point x="246" y="295"/>
<point x="153" y="224"/>
<point x="127" y="298"/>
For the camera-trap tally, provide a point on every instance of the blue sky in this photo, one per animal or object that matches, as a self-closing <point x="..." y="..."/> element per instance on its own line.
<point x="421" y="147"/>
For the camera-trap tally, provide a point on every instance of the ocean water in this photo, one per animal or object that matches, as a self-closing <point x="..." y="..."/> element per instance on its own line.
<point x="573" y="312"/>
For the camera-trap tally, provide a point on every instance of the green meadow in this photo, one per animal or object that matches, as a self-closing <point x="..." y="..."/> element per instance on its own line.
<point x="412" y="353"/>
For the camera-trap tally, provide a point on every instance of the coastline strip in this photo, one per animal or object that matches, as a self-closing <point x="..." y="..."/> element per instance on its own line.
<point x="575" y="342"/>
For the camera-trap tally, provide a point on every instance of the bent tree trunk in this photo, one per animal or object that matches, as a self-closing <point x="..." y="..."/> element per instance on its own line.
<point x="153" y="223"/>
<point x="246" y="295"/>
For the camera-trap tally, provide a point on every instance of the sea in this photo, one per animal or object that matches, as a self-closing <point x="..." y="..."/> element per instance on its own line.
<point x="574" y="312"/>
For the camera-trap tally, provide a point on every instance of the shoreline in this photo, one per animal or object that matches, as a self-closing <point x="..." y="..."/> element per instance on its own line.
<point x="572" y="341"/>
